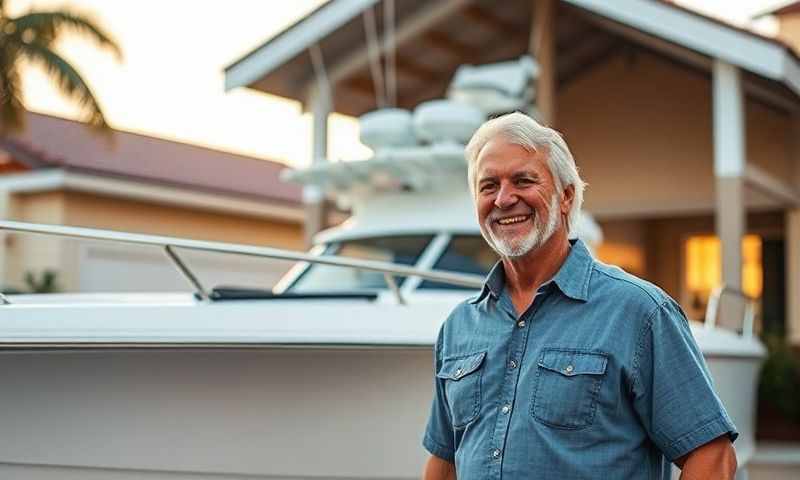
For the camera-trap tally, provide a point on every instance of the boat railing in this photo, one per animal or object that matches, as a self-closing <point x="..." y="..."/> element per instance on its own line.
<point x="169" y="244"/>
<point x="715" y="301"/>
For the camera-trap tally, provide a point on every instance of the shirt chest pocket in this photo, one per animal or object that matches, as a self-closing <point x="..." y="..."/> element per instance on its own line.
<point x="462" y="382"/>
<point x="566" y="388"/>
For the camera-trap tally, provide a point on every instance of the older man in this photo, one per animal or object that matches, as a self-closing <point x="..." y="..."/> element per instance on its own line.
<point x="563" y="367"/>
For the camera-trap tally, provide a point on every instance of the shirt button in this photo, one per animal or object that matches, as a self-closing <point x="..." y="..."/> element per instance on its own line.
<point x="512" y="364"/>
<point x="506" y="409"/>
<point x="459" y="372"/>
<point x="569" y="369"/>
<point x="496" y="453"/>
<point x="521" y="324"/>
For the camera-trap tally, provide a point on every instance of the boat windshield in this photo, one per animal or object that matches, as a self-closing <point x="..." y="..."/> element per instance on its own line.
<point x="464" y="254"/>
<point x="404" y="250"/>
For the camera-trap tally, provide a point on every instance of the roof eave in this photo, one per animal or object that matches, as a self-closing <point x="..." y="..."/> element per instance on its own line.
<point x="761" y="56"/>
<point x="715" y="39"/>
<point x="275" y="52"/>
<point x="53" y="179"/>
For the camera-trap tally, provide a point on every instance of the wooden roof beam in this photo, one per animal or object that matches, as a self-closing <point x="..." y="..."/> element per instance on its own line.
<point x="488" y="19"/>
<point x="410" y="28"/>
<point x="410" y="67"/>
<point x="446" y="43"/>
<point x="543" y="49"/>
<point x="593" y="50"/>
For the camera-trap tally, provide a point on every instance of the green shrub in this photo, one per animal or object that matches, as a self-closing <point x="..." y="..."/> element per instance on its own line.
<point x="779" y="386"/>
<point x="44" y="283"/>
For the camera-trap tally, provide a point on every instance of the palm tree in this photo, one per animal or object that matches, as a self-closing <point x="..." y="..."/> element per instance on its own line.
<point x="32" y="37"/>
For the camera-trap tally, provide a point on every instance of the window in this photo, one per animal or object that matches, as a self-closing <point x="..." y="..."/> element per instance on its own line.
<point x="703" y="268"/>
<point x="464" y="254"/>
<point x="404" y="250"/>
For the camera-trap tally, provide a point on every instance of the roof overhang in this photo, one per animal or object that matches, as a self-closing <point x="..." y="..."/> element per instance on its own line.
<point x="293" y="42"/>
<point x="283" y="66"/>
<point x="48" y="180"/>
<point x="759" y="55"/>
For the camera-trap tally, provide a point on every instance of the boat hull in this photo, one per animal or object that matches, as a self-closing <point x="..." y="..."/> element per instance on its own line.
<point x="275" y="413"/>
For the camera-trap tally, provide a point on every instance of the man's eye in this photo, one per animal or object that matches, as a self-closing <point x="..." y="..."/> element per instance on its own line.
<point x="486" y="187"/>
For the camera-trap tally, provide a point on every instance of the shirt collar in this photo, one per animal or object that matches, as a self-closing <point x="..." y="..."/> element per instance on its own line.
<point x="494" y="283"/>
<point x="572" y="278"/>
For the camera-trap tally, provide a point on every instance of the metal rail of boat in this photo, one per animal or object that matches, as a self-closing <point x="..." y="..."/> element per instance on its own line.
<point x="169" y="244"/>
<point x="712" y="311"/>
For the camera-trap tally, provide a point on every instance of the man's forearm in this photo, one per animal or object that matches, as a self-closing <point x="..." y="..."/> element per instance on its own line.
<point x="716" y="459"/>
<point x="439" y="469"/>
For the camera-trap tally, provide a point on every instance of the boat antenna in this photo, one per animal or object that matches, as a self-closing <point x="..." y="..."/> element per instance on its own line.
<point x="389" y="47"/>
<point x="370" y="28"/>
<point x="321" y="74"/>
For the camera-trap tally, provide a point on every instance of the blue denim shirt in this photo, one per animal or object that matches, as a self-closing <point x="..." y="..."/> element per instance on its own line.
<point x="599" y="378"/>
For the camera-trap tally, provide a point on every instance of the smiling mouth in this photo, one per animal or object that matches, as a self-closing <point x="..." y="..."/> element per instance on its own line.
<point x="513" y="220"/>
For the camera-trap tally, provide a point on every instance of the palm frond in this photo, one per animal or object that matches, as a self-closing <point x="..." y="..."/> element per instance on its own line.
<point x="69" y="82"/>
<point x="12" y="110"/>
<point x="46" y="25"/>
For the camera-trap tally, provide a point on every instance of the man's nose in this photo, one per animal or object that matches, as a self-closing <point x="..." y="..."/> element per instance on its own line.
<point x="506" y="197"/>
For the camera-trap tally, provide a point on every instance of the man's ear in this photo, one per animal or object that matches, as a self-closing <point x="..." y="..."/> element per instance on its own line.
<point x="567" y="199"/>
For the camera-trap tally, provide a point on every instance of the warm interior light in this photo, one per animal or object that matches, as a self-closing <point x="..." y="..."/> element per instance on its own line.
<point x="628" y="257"/>
<point x="703" y="266"/>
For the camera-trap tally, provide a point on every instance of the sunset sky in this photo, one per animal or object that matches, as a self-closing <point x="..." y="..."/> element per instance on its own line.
<point x="170" y="83"/>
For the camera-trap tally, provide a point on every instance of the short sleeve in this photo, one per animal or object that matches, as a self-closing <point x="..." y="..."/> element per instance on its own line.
<point x="438" y="439"/>
<point x="673" y="391"/>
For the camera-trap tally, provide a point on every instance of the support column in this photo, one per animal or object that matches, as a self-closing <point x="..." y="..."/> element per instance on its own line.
<point x="313" y="197"/>
<point x="5" y="214"/>
<point x="543" y="49"/>
<point x="792" y="242"/>
<point x="729" y="163"/>
<point x="793" y="276"/>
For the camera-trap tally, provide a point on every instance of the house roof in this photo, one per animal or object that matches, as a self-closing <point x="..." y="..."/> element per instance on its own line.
<point x="434" y="38"/>
<point x="53" y="142"/>
<point x="791" y="7"/>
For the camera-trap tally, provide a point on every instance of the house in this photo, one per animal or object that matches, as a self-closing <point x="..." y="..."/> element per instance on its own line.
<point x="58" y="172"/>
<point x="686" y="128"/>
<point x="788" y="20"/>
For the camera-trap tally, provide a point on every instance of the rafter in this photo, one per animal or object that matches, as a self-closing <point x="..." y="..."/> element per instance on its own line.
<point x="416" y="69"/>
<point x="444" y="42"/>
<point x="488" y="19"/>
<point x="409" y="29"/>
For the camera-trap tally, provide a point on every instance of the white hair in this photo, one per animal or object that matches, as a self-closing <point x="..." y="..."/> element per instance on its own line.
<point x="522" y="130"/>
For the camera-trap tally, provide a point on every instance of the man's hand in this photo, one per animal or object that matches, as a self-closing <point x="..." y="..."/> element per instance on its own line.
<point x="439" y="469"/>
<point x="716" y="459"/>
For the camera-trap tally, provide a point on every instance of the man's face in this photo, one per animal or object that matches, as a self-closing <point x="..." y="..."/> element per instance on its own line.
<point x="516" y="198"/>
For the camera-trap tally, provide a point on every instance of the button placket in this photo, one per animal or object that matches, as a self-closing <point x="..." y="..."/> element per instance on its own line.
<point x="516" y="348"/>
<point x="508" y="393"/>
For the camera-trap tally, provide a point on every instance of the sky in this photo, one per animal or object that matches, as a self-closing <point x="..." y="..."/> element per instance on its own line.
<point x="170" y="83"/>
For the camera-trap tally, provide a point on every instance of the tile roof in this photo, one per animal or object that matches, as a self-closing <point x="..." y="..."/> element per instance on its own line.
<point x="53" y="142"/>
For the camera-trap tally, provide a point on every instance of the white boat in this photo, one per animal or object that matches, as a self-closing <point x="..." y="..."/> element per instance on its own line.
<point x="171" y="386"/>
<point x="329" y="376"/>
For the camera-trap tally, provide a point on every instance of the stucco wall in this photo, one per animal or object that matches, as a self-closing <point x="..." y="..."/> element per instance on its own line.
<point x="641" y="131"/>
<point x="89" y="210"/>
<point x="34" y="253"/>
<point x="789" y="29"/>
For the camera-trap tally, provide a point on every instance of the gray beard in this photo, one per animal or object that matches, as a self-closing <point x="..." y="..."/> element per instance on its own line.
<point x="539" y="235"/>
